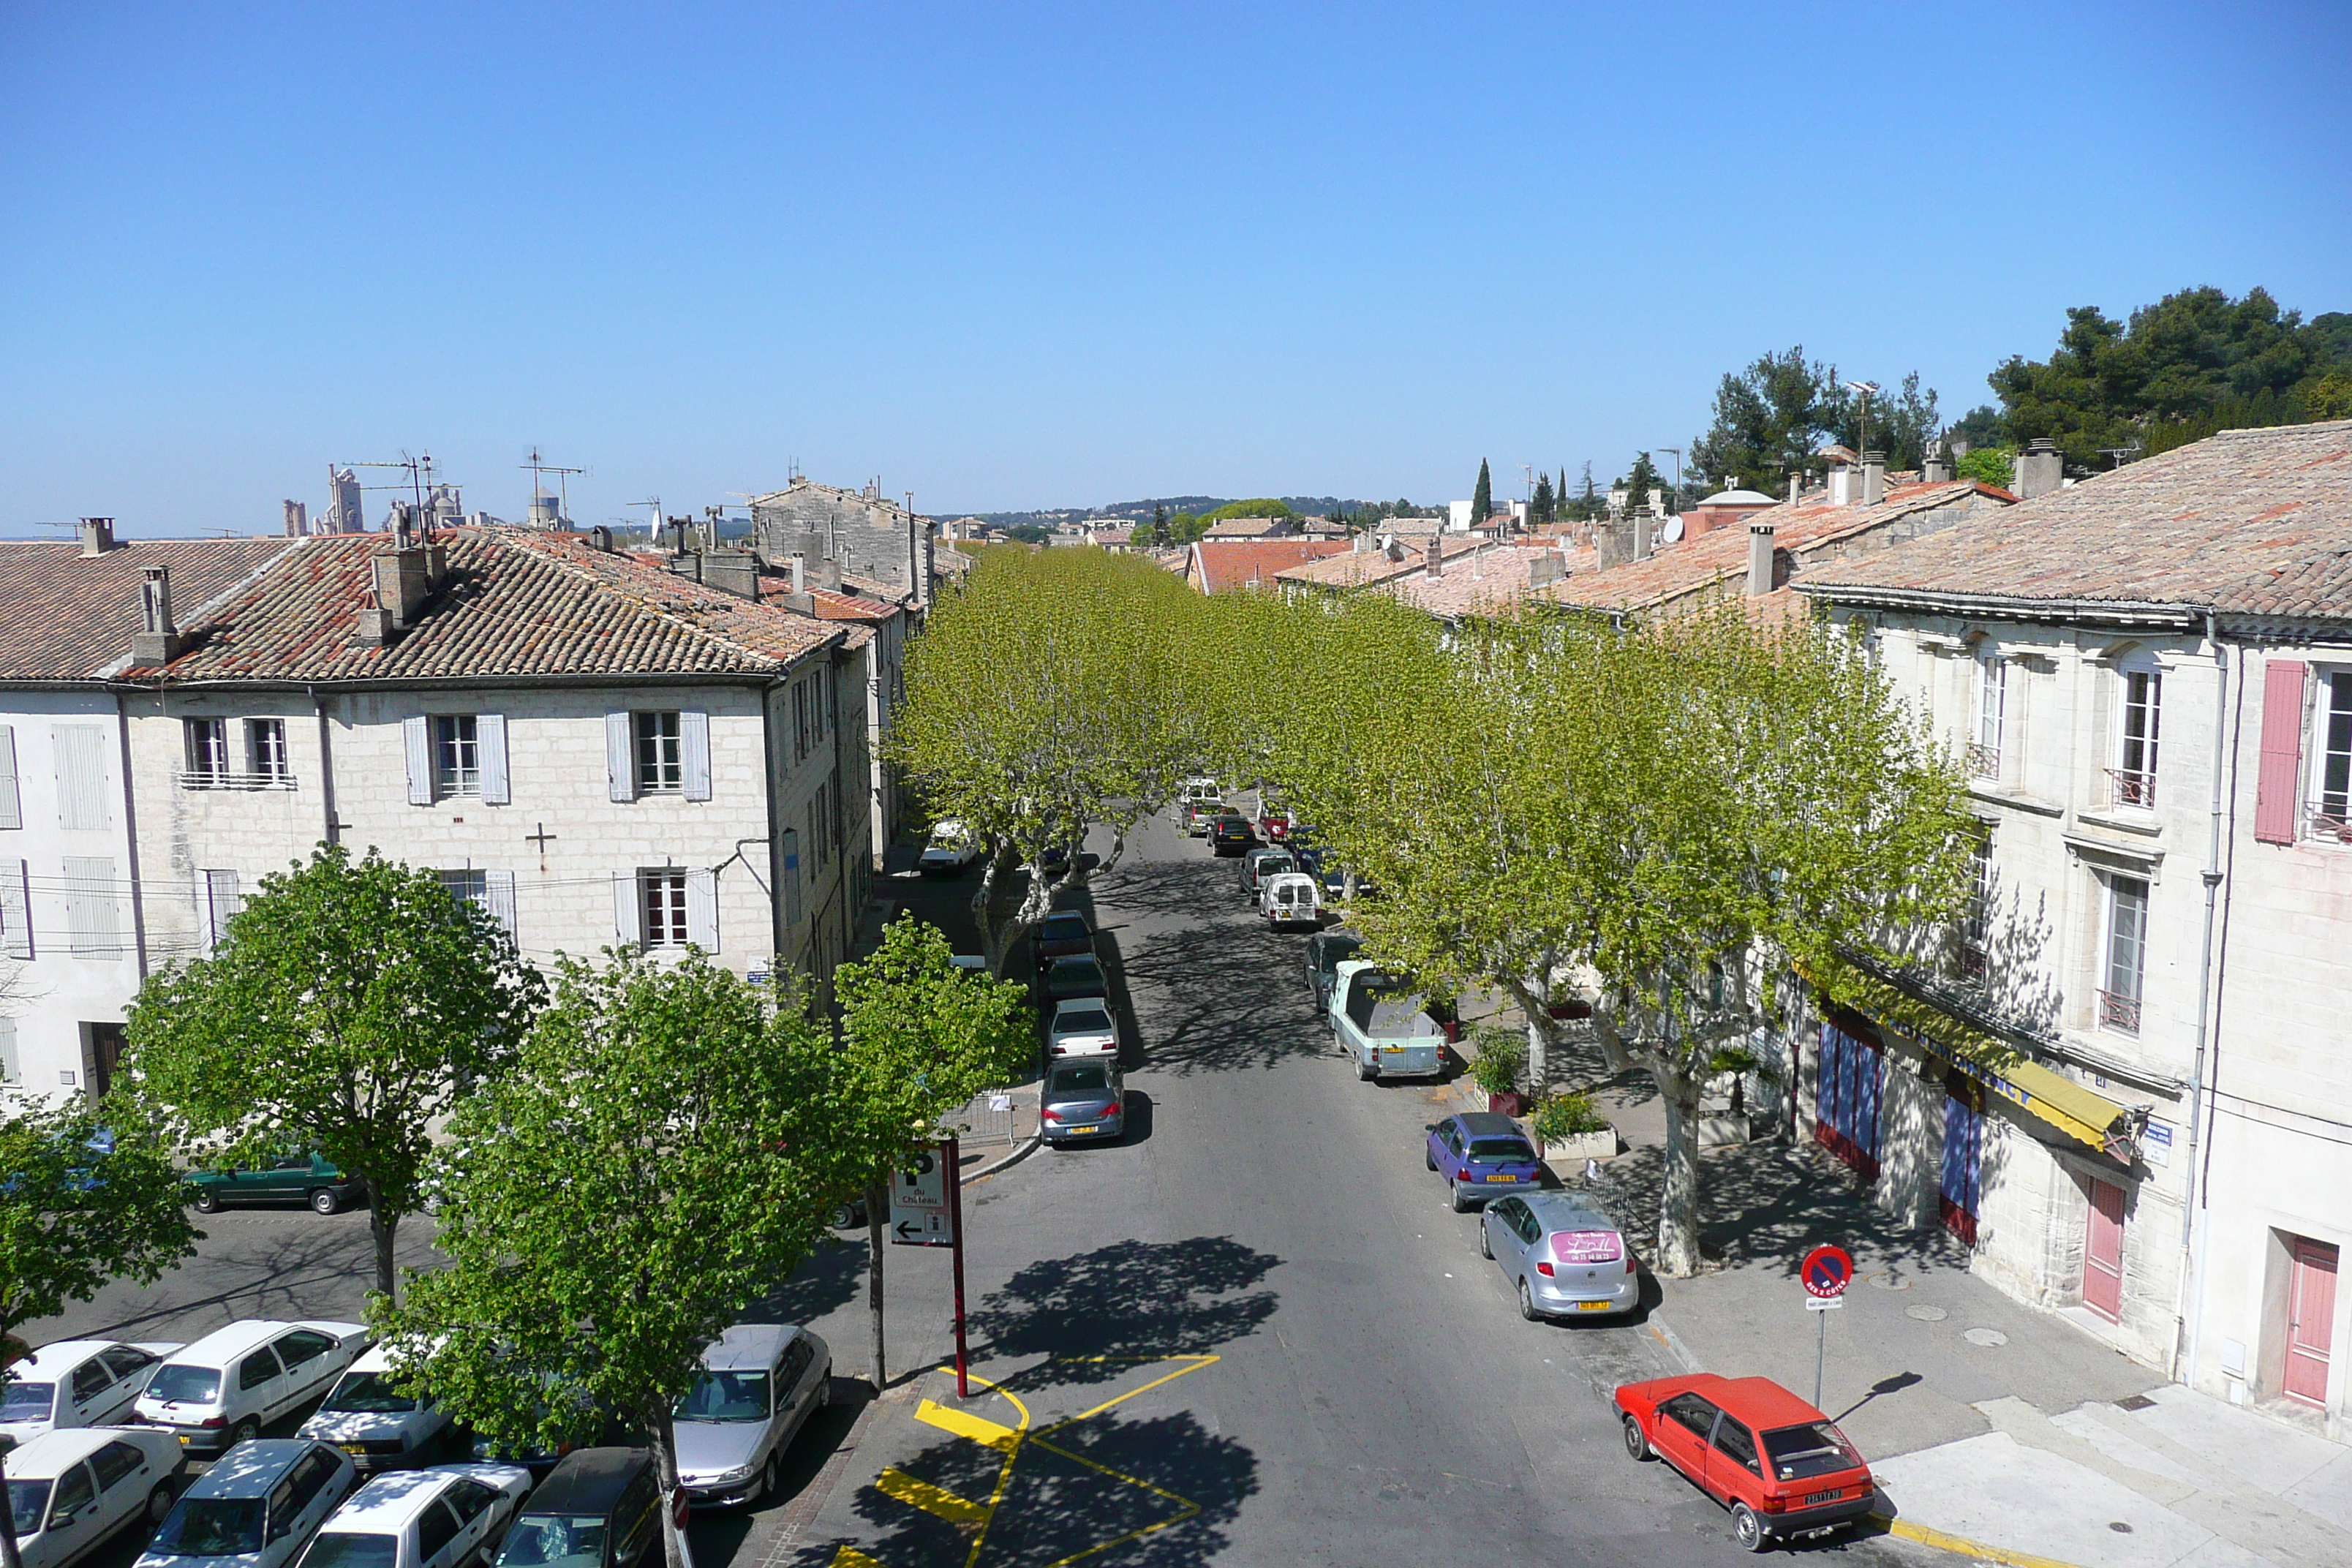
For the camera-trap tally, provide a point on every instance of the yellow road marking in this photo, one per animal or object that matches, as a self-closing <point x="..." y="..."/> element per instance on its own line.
<point x="1189" y="1507"/>
<point x="850" y="1557"/>
<point x="1198" y="1362"/>
<point x="963" y="1423"/>
<point x="956" y="1510"/>
<point x="1963" y="1545"/>
<point x="1004" y="1471"/>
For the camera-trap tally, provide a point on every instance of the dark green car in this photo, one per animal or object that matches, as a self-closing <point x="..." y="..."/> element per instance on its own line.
<point x="288" y="1179"/>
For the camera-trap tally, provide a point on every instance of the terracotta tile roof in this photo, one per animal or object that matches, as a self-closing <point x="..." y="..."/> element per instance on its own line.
<point x="832" y="606"/>
<point x="1249" y="528"/>
<point x="64" y="616"/>
<point x="1367" y="568"/>
<point x="515" y="602"/>
<point x="2253" y="521"/>
<point x="1225" y="564"/>
<point x="1490" y="583"/>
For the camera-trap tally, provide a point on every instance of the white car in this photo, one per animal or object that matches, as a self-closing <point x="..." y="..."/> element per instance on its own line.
<point x="422" y="1519"/>
<point x="380" y="1428"/>
<point x="257" y="1508"/>
<point x="1083" y="1027"/>
<point x="75" y="1383"/>
<point x="1291" y="898"/>
<point x="953" y="847"/>
<point x="759" y="1386"/>
<point x="235" y="1381"/>
<point x="72" y="1490"/>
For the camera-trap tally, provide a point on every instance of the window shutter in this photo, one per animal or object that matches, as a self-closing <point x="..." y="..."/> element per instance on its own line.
<point x="792" y="876"/>
<point x="694" y="752"/>
<point x="10" y="1071"/>
<point x="2282" y="760"/>
<point x="628" y="910"/>
<point x="702" y="910"/>
<point x="490" y="734"/>
<point x="92" y="928"/>
<point x="416" y="731"/>
<point x="81" y="776"/>
<point x="16" y="909"/>
<point x="499" y="887"/>
<point x="11" y="815"/>
<point x="620" y="757"/>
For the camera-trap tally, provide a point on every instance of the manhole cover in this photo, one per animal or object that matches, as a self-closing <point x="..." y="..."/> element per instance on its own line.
<point x="1985" y="1337"/>
<point x="2119" y="1527"/>
<point x="1886" y="1281"/>
<point x="2134" y="1402"/>
<point x="1925" y="1314"/>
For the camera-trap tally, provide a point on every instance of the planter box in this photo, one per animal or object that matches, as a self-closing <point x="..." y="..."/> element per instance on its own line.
<point x="1600" y="1145"/>
<point x="1718" y="1130"/>
<point x="1511" y="1104"/>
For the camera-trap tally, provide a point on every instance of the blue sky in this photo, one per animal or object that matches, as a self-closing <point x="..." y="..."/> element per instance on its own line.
<point x="1007" y="257"/>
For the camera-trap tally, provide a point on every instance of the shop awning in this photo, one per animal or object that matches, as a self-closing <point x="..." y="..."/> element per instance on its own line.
<point x="2084" y="1115"/>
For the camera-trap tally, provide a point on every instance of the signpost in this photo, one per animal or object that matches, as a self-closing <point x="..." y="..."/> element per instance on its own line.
<point x="927" y="1210"/>
<point x="1825" y="1273"/>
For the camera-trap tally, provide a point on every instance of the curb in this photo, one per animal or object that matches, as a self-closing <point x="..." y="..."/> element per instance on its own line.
<point x="1006" y="1164"/>
<point x="802" y="1510"/>
<point x="1665" y="1334"/>
<point x="1961" y="1544"/>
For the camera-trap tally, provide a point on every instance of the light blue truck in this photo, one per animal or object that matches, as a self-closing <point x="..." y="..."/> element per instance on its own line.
<point x="1380" y="1022"/>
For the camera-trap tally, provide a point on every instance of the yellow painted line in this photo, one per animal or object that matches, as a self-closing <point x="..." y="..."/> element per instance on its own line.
<point x="962" y="1513"/>
<point x="1004" y="1471"/>
<point x="963" y="1423"/>
<point x="850" y="1557"/>
<point x="1198" y="1362"/>
<point x="1963" y="1546"/>
<point x="1187" y="1505"/>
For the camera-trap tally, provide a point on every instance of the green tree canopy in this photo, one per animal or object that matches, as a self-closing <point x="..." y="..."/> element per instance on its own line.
<point x="1481" y="499"/>
<point x="350" y="1004"/>
<point x="1264" y="506"/>
<point x="1771" y="419"/>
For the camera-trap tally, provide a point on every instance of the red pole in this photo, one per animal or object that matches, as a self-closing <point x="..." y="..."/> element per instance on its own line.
<point x="955" y="1224"/>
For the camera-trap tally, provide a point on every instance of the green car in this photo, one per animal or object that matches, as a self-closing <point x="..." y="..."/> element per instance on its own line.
<point x="290" y="1178"/>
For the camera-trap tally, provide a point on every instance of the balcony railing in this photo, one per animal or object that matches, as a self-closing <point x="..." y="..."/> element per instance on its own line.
<point x="2134" y="787"/>
<point x="2329" y="819"/>
<point x="207" y="779"/>
<point x="2119" y="1011"/>
<point x="1984" y="762"/>
<point x="1970" y="962"/>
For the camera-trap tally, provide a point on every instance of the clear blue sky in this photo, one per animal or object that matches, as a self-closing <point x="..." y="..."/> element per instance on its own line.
<point x="1009" y="256"/>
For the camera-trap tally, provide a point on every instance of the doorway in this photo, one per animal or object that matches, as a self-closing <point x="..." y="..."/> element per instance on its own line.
<point x="101" y="1058"/>
<point x="2310" y="1321"/>
<point x="2103" y="1251"/>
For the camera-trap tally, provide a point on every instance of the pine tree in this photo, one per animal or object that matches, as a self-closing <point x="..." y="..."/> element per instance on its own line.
<point x="1158" y="533"/>
<point x="1542" y="507"/>
<point x="1481" y="499"/>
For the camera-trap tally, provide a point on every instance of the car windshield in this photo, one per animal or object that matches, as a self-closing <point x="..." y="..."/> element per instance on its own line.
<point x="1815" y="1448"/>
<point x="186" y="1384"/>
<point x="553" y="1541"/>
<point x="212" y="1527"/>
<point x="350" y="1548"/>
<point x="1081" y="1080"/>
<point x="1065" y="928"/>
<point x="25" y="1501"/>
<point x="1090" y="1019"/>
<point x="367" y="1394"/>
<point x="27" y="1400"/>
<point x="1500" y="1149"/>
<point x="726" y="1396"/>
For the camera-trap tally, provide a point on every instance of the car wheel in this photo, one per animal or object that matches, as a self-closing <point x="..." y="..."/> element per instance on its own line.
<point x="771" y="1477"/>
<point x="1747" y="1530"/>
<point x="1637" y="1447"/>
<point x="324" y="1201"/>
<point x="1428" y="1160"/>
<point x="159" y="1504"/>
<point x="246" y="1431"/>
<point x="206" y="1201"/>
<point x="1528" y="1303"/>
<point x="1462" y="1204"/>
<point x="1365" y="1071"/>
<point x="1485" y="1242"/>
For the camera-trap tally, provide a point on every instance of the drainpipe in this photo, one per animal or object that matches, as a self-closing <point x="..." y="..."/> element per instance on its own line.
<point x="2191" y="1289"/>
<point x="130" y="835"/>
<point x="326" y="768"/>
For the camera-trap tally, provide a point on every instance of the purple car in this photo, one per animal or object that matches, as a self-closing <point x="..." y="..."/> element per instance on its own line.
<point x="1481" y="1155"/>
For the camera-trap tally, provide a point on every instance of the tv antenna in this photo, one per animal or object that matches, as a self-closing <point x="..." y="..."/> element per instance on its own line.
<point x="538" y="468"/>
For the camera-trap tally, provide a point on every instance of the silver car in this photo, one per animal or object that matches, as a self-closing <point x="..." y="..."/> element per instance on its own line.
<point x="1566" y="1257"/>
<point x="257" y="1508"/>
<point x="760" y="1384"/>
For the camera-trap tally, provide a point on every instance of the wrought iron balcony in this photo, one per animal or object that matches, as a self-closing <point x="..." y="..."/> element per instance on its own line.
<point x="2119" y="1011"/>
<point x="205" y="778"/>
<point x="1984" y="762"/>
<point x="2134" y="787"/>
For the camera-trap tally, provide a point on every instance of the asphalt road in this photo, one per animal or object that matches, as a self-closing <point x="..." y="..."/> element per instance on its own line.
<point x="1373" y="1395"/>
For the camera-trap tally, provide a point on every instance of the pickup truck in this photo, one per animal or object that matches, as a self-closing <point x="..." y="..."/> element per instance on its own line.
<point x="1380" y="1023"/>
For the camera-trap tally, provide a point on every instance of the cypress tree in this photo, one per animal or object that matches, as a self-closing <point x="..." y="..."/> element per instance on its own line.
<point x="1481" y="499"/>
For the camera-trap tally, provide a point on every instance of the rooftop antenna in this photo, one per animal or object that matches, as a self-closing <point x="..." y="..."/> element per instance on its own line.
<point x="655" y="528"/>
<point x="1868" y="389"/>
<point x="1677" y="451"/>
<point x="540" y="468"/>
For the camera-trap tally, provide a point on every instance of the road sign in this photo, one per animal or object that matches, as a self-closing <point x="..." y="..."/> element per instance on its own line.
<point x="919" y="1211"/>
<point x="1827" y="1271"/>
<point x="1824" y="1303"/>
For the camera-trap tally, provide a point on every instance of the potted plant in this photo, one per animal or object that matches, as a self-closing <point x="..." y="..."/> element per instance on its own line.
<point x="1570" y="1127"/>
<point x="1500" y="1056"/>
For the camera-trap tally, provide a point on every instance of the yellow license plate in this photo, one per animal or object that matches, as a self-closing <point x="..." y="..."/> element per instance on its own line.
<point x="354" y="1447"/>
<point x="1498" y="1178"/>
<point x="1081" y="1130"/>
<point x="1594" y="1306"/>
<point x="183" y="1440"/>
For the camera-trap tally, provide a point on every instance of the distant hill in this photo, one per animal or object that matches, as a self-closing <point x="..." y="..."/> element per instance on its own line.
<point x="1140" y="511"/>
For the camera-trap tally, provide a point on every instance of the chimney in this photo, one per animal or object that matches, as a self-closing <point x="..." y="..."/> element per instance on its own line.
<point x="1609" y="543"/>
<point x="1874" y="477"/>
<point x="601" y="538"/>
<point x="298" y="520"/>
<point x="1796" y="487"/>
<point x="735" y="571"/>
<point x="1938" y="470"/>
<point x="2041" y="468"/>
<point x="1645" y="529"/>
<point x="404" y="578"/>
<point x="97" y="536"/>
<point x="798" y="565"/>
<point x="1436" y="557"/>
<point x="1760" y="559"/>
<point x="158" y="641"/>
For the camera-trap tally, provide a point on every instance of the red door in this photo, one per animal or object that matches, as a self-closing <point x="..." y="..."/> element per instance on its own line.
<point x="2103" y="1259"/>
<point x="2310" y="1314"/>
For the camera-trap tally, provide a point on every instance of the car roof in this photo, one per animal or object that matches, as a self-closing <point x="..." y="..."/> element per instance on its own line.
<point x="1488" y="1124"/>
<point x="749" y="1347"/>
<point x="1763" y="1403"/>
<point x="1569" y="1211"/>
<point x="587" y="1480"/>
<point x="1067" y="917"/>
<point x="1074" y="961"/>
<point x="1071" y="1004"/>
<point x="389" y="1502"/>
<point x="251" y="1468"/>
<point x="56" y="1450"/>
<point x="57" y="1356"/>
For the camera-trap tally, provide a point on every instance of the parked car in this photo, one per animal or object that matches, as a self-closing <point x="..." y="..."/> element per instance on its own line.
<point x="71" y="1490"/>
<point x="439" y="1517"/>
<point x="953" y="847"/>
<point x="1260" y="864"/>
<point x="1083" y="1027"/>
<point x="1193" y="794"/>
<point x="291" y="1178"/>
<point x="598" y="1508"/>
<point x="1230" y="833"/>
<point x="1083" y="1100"/>
<point x="374" y="1421"/>
<point x="759" y="1386"/>
<point x="1273" y="823"/>
<point x="1481" y="1155"/>
<point x="1564" y="1256"/>
<point x="257" y="1508"/>
<point x="75" y="1383"/>
<point x="228" y="1386"/>
<point x="1064" y="934"/>
<point x="1326" y="950"/>
<point x="1066" y="979"/>
<point x="1781" y="1466"/>
<point x="592" y="1426"/>
<point x="1290" y="898"/>
<point x="1380" y="1023"/>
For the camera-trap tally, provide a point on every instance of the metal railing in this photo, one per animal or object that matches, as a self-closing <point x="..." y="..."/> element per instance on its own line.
<point x="207" y="779"/>
<point x="2328" y="819"/>
<point x="2134" y="787"/>
<point x="1984" y="762"/>
<point x="2119" y="1011"/>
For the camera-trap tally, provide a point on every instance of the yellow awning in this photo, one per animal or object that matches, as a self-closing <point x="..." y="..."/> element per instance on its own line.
<point x="2084" y="1115"/>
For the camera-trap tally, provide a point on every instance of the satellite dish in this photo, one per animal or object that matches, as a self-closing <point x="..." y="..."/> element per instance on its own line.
<point x="1674" y="534"/>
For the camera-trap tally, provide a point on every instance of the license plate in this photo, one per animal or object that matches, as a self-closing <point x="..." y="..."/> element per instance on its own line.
<point x="1812" y="1498"/>
<point x="183" y="1440"/>
<point x="1594" y="1306"/>
<point x="1078" y="1131"/>
<point x="1499" y="1176"/>
<point x="354" y="1447"/>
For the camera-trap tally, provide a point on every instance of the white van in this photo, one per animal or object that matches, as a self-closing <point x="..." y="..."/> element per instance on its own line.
<point x="235" y="1381"/>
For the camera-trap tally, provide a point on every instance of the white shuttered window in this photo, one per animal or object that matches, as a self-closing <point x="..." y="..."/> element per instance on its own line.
<point x="11" y="813"/>
<point x="93" y="925"/>
<point x="81" y="776"/>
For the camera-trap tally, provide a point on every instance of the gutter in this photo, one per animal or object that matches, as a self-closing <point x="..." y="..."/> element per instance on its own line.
<point x="130" y="835"/>
<point x="2188" y="1296"/>
<point x="2007" y="606"/>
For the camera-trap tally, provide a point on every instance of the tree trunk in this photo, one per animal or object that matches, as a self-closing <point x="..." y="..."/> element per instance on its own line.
<point x="877" y="1217"/>
<point x="386" y="1229"/>
<point x="1678" y="1253"/>
<point x="666" y="1465"/>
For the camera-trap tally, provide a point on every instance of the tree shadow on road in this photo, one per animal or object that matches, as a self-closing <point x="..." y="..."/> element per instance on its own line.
<point x="1221" y="1008"/>
<point x="1130" y="1300"/>
<point x="828" y="1278"/>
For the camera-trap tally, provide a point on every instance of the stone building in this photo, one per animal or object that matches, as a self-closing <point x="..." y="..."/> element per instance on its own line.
<point x="861" y="533"/>
<point x="2130" y="1099"/>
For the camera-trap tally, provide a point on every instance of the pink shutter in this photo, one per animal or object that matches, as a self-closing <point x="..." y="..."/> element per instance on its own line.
<point x="2274" y="802"/>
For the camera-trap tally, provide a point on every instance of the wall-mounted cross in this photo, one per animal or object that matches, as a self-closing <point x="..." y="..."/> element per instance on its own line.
<point x="543" y="838"/>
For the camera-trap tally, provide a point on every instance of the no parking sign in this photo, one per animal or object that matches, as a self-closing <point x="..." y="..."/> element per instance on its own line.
<point x="1826" y="1272"/>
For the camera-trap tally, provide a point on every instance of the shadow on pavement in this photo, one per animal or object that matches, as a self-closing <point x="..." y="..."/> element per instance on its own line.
<point x="715" y="1535"/>
<point x="828" y="1278"/>
<point x="1174" y="1297"/>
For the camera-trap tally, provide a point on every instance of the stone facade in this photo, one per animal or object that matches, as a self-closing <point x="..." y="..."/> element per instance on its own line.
<point x="860" y="534"/>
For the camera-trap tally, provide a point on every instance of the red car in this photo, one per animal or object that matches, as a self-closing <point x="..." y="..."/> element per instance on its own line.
<point x="1781" y="1466"/>
<point x="1274" y="825"/>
